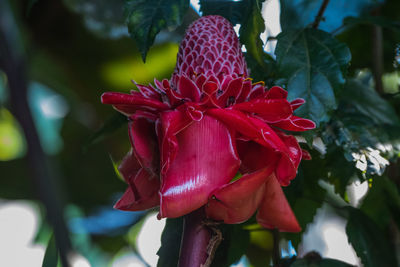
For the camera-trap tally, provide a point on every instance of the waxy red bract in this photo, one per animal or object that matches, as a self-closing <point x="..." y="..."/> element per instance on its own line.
<point x="192" y="134"/>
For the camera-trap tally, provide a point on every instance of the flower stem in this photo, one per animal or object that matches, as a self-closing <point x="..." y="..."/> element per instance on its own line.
<point x="198" y="244"/>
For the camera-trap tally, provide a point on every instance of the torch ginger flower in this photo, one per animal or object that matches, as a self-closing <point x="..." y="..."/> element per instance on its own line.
<point x="192" y="134"/>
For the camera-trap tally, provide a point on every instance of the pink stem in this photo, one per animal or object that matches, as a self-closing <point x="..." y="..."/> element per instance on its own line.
<point x="195" y="240"/>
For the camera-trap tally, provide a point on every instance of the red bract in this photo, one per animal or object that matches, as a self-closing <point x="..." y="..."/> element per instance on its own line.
<point x="192" y="134"/>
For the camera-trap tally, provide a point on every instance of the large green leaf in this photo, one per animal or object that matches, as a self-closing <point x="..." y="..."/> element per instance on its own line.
<point x="305" y="195"/>
<point x="382" y="202"/>
<point x="373" y="20"/>
<point x="313" y="63"/>
<point x="146" y="18"/>
<point x="369" y="242"/>
<point x="170" y="243"/>
<point x="229" y="9"/>
<point x="51" y="255"/>
<point x="368" y="102"/>
<point x="319" y="263"/>
<point x="233" y="245"/>
<point x="252" y="26"/>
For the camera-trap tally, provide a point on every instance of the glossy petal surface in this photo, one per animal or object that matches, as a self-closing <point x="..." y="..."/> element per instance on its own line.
<point x="205" y="160"/>
<point x="170" y="124"/>
<point x="271" y="110"/>
<point x="236" y="202"/>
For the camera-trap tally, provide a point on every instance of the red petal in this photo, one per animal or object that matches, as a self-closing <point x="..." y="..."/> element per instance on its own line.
<point x="209" y="98"/>
<point x="144" y="140"/>
<point x="236" y="202"/>
<point x="141" y="194"/>
<point x="261" y="133"/>
<point x="295" y="124"/>
<point x="231" y="93"/>
<point x="188" y="89"/>
<point x="170" y="123"/>
<point x="245" y="91"/>
<point x="129" y="166"/>
<point x="305" y="155"/>
<point x="297" y="103"/>
<point x="248" y="126"/>
<point x="205" y="160"/>
<point x="128" y="103"/>
<point x="255" y="156"/>
<point x="148" y="91"/>
<point x="276" y="92"/>
<point x="257" y="91"/>
<point x="287" y="166"/>
<point x="271" y="110"/>
<point x="274" y="211"/>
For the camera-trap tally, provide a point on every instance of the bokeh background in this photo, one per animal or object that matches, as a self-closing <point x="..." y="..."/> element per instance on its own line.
<point x="60" y="147"/>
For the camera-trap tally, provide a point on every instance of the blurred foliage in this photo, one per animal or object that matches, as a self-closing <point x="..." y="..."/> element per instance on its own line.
<point x="146" y="18"/>
<point x="313" y="63"/>
<point x="74" y="50"/>
<point x="51" y="255"/>
<point x="12" y="142"/>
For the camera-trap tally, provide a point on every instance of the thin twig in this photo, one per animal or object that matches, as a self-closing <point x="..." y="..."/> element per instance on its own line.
<point x="377" y="54"/>
<point x="320" y="14"/>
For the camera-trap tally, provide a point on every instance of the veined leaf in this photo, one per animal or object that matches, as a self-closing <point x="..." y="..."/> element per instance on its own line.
<point x="368" y="102"/>
<point x="229" y="9"/>
<point x="146" y="18"/>
<point x="313" y="64"/>
<point x="369" y="242"/>
<point x="170" y="243"/>
<point x="374" y="20"/>
<point x="252" y="26"/>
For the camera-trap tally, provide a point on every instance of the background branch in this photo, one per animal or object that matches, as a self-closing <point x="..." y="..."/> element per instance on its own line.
<point x="320" y="14"/>
<point x="12" y="62"/>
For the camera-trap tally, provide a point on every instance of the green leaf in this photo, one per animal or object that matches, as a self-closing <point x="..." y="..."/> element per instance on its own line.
<point x="369" y="242"/>
<point x="96" y="15"/>
<point x="382" y="202"/>
<point x="252" y="27"/>
<point x="305" y="195"/>
<point x="29" y="6"/>
<point x="110" y="125"/>
<point x="51" y="255"/>
<point x="373" y="20"/>
<point x="340" y="171"/>
<point x="234" y="244"/>
<point x="368" y="102"/>
<point x="170" y="243"/>
<point x="229" y="9"/>
<point x="313" y="64"/>
<point x="319" y="263"/>
<point x="146" y="18"/>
